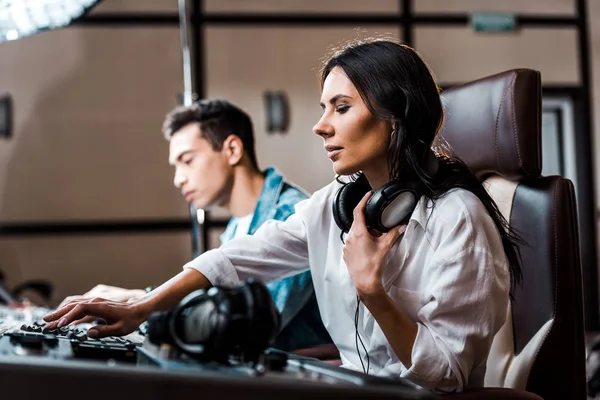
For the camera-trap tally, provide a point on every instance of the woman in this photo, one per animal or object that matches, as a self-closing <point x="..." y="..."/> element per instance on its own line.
<point x="425" y="307"/>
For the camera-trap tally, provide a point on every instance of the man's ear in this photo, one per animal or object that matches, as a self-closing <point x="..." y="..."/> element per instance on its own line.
<point x="233" y="149"/>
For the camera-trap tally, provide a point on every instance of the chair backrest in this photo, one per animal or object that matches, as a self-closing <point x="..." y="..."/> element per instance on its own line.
<point x="494" y="126"/>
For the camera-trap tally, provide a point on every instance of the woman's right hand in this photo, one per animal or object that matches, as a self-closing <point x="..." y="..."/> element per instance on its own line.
<point x="121" y="317"/>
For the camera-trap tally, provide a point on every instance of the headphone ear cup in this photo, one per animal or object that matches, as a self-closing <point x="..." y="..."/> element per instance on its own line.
<point x="217" y="323"/>
<point x="345" y="201"/>
<point x="392" y="205"/>
<point x="262" y="314"/>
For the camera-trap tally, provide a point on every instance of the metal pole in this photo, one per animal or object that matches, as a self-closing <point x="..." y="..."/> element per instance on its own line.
<point x="585" y="174"/>
<point x="185" y="52"/>
<point x="188" y="98"/>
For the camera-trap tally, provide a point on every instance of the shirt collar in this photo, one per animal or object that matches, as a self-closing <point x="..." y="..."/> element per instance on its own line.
<point x="271" y="190"/>
<point x="269" y="195"/>
<point x="422" y="211"/>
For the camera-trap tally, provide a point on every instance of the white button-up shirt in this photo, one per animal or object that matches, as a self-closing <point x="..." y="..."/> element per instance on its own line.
<point x="449" y="274"/>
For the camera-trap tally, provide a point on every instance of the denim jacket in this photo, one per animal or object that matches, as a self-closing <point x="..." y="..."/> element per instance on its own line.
<point x="294" y="296"/>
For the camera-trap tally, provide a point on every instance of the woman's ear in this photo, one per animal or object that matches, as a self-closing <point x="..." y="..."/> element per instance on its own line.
<point x="233" y="149"/>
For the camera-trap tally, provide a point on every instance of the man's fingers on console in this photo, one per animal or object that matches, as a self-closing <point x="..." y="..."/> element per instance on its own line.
<point x="77" y="312"/>
<point x="107" y="330"/>
<point x="51" y="325"/>
<point x="58" y="313"/>
<point x="68" y="301"/>
<point x="86" y="319"/>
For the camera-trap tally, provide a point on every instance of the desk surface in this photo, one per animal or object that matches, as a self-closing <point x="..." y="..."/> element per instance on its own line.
<point x="38" y="377"/>
<point x="38" y="365"/>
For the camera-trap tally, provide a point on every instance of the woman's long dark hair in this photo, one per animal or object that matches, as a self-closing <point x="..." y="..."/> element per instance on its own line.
<point x="396" y="85"/>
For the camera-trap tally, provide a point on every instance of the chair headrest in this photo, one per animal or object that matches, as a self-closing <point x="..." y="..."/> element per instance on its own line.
<point x="494" y="124"/>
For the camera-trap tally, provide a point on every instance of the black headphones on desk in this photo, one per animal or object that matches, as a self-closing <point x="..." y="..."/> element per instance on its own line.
<point x="389" y="206"/>
<point x="215" y="324"/>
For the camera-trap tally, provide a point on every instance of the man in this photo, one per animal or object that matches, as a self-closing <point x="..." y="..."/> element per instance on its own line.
<point x="212" y="149"/>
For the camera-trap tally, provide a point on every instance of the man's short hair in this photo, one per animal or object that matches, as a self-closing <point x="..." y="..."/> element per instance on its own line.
<point x="218" y="119"/>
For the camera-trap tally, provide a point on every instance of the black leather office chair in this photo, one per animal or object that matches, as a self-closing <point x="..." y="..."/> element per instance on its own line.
<point x="494" y="125"/>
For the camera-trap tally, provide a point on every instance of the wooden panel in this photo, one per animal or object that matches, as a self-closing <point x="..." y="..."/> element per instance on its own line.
<point x="116" y="6"/>
<point x="561" y="7"/>
<point x="459" y="54"/>
<point x="89" y="105"/>
<point x="76" y="264"/>
<point x="214" y="239"/>
<point x="594" y="29"/>
<point x="303" y="6"/>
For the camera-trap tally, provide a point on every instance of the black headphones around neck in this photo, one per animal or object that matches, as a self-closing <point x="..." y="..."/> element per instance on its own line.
<point x="389" y="206"/>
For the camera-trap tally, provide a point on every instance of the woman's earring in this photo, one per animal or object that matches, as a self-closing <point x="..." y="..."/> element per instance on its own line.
<point x="392" y="134"/>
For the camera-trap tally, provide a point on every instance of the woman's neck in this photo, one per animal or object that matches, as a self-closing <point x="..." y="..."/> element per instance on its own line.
<point x="377" y="177"/>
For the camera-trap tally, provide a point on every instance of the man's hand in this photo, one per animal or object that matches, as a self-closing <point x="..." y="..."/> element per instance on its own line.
<point x="106" y="292"/>
<point x="124" y="317"/>
<point x="121" y="318"/>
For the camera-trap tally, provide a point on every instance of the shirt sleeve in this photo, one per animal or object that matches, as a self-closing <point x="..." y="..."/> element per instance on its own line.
<point x="276" y="250"/>
<point x="467" y="295"/>
<point x="290" y="294"/>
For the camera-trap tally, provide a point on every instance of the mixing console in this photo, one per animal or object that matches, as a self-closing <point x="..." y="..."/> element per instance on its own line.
<point x="23" y="332"/>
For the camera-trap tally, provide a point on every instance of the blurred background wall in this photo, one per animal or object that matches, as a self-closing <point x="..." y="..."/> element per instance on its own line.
<point x="86" y="193"/>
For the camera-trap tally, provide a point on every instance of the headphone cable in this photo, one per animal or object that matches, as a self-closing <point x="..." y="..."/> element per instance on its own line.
<point x="357" y="338"/>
